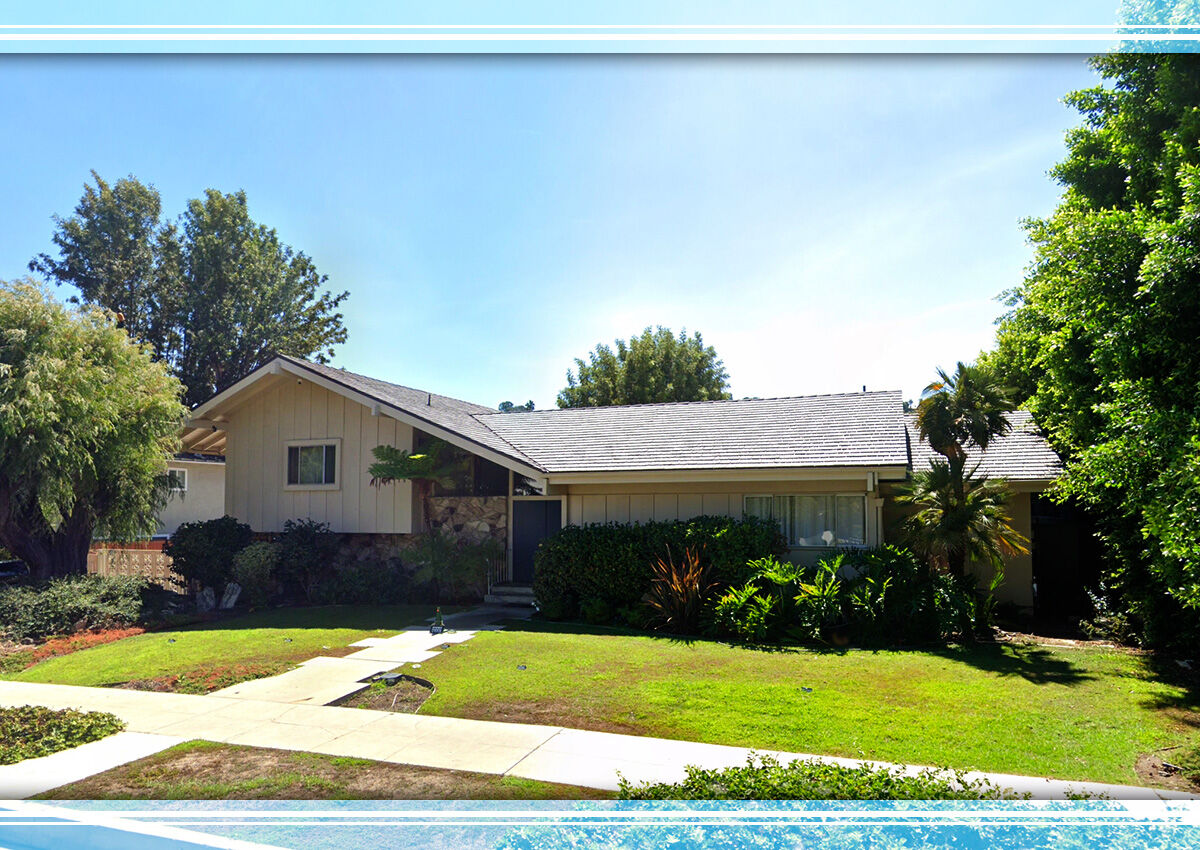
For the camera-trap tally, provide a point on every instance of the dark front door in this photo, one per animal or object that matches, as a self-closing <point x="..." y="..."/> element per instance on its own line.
<point x="533" y="521"/>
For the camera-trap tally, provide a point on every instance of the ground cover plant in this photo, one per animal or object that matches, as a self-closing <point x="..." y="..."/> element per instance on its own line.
<point x="272" y="639"/>
<point x="31" y="612"/>
<point x="765" y="778"/>
<point x="32" y="731"/>
<point x="201" y="770"/>
<point x="1084" y="714"/>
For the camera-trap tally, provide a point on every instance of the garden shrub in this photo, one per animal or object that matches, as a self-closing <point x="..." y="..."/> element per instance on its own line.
<point x="596" y="611"/>
<point x="307" y="550"/>
<point x="367" y="583"/>
<point x="613" y="561"/>
<point x="872" y="597"/>
<point x="253" y="569"/>
<point x="30" y="612"/>
<point x="765" y="778"/>
<point x="679" y="590"/>
<point x="204" y="551"/>
<point x="33" y="731"/>
<point x="449" y="569"/>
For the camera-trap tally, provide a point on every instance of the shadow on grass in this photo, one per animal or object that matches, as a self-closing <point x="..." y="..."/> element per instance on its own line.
<point x="1035" y="664"/>
<point x="1184" y="708"/>
<point x="357" y="617"/>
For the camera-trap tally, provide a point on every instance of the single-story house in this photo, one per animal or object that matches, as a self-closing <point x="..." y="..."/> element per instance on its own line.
<point x="297" y="439"/>
<point x="196" y="482"/>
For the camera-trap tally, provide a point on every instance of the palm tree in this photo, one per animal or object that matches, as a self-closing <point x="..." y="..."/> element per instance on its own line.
<point x="969" y="406"/>
<point x="960" y="515"/>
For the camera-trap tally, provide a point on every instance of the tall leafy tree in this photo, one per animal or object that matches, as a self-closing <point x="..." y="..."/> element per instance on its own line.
<point x="87" y="422"/>
<point x="1103" y="331"/>
<point x="214" y="294"/>
<point x="656" y="366"/>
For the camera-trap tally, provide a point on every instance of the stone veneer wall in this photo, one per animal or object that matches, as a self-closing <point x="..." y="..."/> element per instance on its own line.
<point x="473" y="518"/>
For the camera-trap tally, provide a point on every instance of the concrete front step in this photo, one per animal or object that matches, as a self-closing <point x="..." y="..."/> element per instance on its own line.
<point x="510" y="595"/>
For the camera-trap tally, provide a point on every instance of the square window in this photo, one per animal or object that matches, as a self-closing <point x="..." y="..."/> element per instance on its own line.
<point x="312" y="465"/>
<point x="177" y="480"/>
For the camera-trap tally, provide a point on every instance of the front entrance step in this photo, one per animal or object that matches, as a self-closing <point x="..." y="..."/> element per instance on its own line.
<point x="520" y="595"/>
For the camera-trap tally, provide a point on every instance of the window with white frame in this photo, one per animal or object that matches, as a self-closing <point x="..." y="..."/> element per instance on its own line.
<point x="177" y="480"/>
<point x="814" y="520"/>
<point x="312" y="464"/>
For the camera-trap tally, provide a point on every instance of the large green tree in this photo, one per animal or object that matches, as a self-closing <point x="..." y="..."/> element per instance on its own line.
<point x="88" y="421"/>
<point x="1103" y="332"/>
<point x="654" y="367"/>
<point x="214" y="294"/>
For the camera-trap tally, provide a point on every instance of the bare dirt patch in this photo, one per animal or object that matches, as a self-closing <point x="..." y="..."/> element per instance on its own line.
<point x="204" y="771"/>
<point x="1156" y="769"/>
<point x="406" y="696"/>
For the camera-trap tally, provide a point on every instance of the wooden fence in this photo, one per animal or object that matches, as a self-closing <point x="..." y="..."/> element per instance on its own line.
<point x="135" y="561"/>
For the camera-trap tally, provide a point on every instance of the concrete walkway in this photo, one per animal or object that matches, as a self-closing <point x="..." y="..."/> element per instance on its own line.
<point x="324" y="679"/>
<point x="546" y="753"/>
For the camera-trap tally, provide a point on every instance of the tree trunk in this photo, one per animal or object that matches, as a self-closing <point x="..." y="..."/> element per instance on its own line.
<point x="51" y="554"/>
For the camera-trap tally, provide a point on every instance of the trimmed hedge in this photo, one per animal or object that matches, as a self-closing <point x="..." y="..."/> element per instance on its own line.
<point x="61" y="606"/>
<point x="204" y="551"/>
<point x="608" y="566"/>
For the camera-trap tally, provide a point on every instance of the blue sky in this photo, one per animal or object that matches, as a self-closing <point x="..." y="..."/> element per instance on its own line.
<point x="825" y="222"/>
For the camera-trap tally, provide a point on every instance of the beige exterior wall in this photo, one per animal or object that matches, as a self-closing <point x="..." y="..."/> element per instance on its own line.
<point x="204" y="499"/>
<point x="588" y="503"/>
<point x="295" y="409"/>
<point x="1018" y="571"/>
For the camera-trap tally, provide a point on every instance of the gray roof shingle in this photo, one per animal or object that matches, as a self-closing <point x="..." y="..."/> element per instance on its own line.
<point x="853" y="429"/>
<point x="845" y="430"/>
<point x="1020" y="455"/>
<point x="442" y="411"/>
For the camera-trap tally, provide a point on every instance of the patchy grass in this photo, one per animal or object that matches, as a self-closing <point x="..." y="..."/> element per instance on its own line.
<point x="275" y="639"/>
<point x="201" y="770"/>
<point x="1083" y="714"/>
<point x="33" y="731"/>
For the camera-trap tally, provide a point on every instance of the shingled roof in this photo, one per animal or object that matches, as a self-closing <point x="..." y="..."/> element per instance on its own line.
<point x="1020" y="455"/>
<point x="863" y="430"/>
<point x="442" y="411"/>
<point x="853" y="429"/>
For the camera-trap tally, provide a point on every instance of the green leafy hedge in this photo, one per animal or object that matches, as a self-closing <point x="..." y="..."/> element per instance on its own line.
<point x="61" y="606"/>
<point x="767" y="779"/>
<point x="32" y="731"/>
<point x="608" y="566"/>
<point x="205" y="551"/>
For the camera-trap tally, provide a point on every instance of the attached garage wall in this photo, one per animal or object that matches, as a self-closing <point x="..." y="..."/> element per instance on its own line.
<point x="1018" y="571"/>
<point x="293" y="409"/>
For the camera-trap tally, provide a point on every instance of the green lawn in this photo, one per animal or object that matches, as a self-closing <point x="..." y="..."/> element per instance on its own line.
<point x="1066" y="713"/>
<point x="269" y="641"/>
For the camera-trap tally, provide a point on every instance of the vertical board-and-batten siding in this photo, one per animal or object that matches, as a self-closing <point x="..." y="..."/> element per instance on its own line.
<point x="256" y="455"/>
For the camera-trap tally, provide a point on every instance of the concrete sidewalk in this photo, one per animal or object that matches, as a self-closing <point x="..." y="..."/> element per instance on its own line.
<point x="545" y="753"/>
